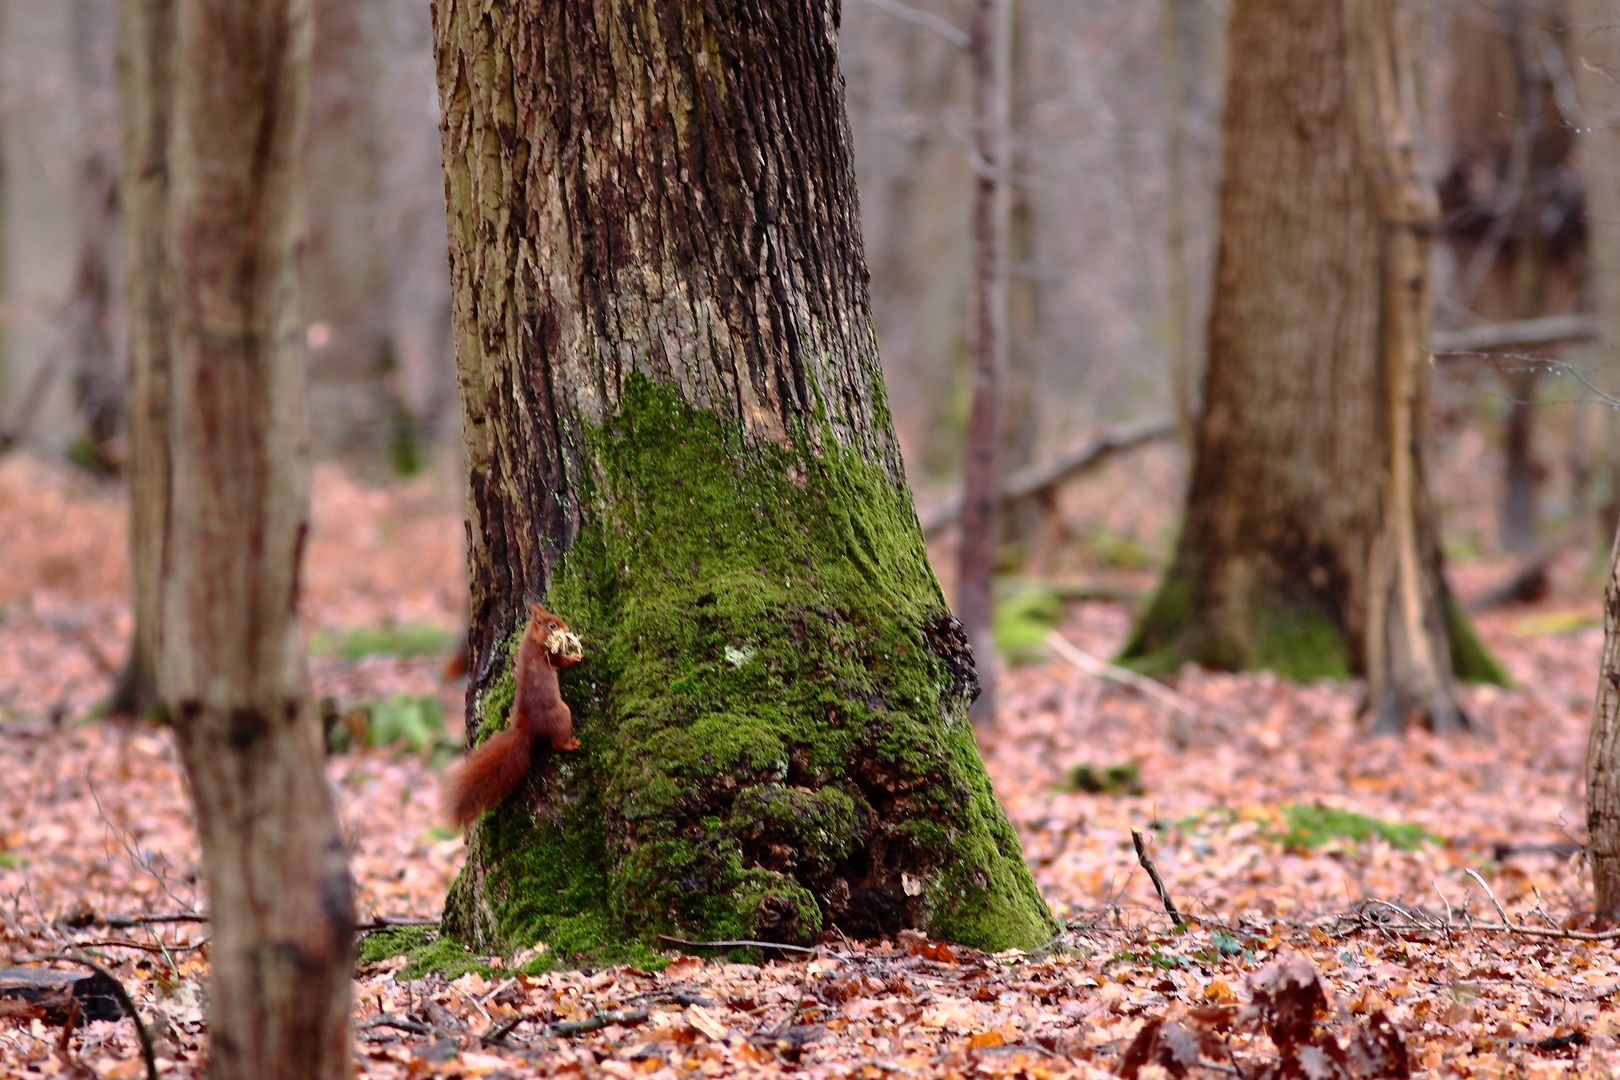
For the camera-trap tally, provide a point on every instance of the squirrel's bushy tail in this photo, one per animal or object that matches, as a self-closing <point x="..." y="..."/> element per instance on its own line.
<point x="487" y="776"/>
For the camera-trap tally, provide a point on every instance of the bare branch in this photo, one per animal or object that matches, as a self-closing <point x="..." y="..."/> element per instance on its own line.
<point x="1518" y="333"/>
<point x="1102" y="669"/>
<point x="926" y="19"/>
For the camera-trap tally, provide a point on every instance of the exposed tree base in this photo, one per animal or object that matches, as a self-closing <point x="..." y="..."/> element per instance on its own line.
<point x="772" y="709"/>
<point x="1297" y="638"/>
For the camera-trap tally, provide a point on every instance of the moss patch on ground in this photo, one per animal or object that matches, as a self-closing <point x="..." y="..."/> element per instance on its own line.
<point x="772" y="709"/>
<point x="1311" y="825"/>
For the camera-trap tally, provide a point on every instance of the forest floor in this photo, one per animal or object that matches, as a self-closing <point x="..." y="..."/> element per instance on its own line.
<point x="1328" y="872"/>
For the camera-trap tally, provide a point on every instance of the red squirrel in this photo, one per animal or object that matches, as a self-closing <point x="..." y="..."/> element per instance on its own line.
<point x="496" y="765"/>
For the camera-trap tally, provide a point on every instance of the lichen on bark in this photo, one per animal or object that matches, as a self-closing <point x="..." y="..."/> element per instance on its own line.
<point x="772" y="710"/>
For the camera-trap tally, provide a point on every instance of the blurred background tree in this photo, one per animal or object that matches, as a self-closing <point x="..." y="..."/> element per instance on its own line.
<point x="1115" y="142"/>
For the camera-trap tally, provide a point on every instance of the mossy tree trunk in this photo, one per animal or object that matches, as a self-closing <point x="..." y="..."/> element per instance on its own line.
<point x="1310" y="544"/>
<point x="232" y="664"/>
<point x="677" y="437"/>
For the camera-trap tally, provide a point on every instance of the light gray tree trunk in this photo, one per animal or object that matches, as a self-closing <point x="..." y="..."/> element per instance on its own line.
<point x="1596" y="45"/>
<point x="232" y="663"/>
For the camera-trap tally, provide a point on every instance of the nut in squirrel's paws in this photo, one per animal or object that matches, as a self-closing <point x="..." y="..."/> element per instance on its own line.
<point x="565" y="645"/>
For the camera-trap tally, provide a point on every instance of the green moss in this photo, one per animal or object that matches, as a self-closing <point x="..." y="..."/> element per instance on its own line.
<point x="1311" y="825"/>
<point x="1293" y="637"/>
<point x="1026" y="611"/>
<point x="426" y="949"/>
<point x="1152" y="648"/>
<point x="1299" y="642"/>
<point x="1471" y="661"/>
<point x="1122" y="779"/>
<point x="767" y="708"/>
<point x="407" y="639"/>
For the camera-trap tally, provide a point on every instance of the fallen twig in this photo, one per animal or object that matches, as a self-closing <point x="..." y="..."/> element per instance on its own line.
<point x="161" y="947"/>
<point x="399" y="1022"/>
<point x="626" y="1017"/>
<point x="1146" y="860"/>
<point x="1414" y="921"/>
<point x="119" y="922"/>
<point x="1102" y="669"/>
<point x="739" y="944"/>
<point x="123" y="999"/>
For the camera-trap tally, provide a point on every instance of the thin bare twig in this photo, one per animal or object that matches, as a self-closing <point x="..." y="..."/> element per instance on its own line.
<point x="739" y="944"/>
<point x="926" y="19"/>
<point x="141" y="859"/>
<point x="120" y="922"/>
<point x="1500" y="910"/>
<point x="1102" y="669"/>
<point x="1416" y="921"/>
<point x="1146" y="860"/>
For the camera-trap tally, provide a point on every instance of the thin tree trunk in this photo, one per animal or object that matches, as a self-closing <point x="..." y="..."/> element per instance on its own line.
<point x="677" y="439"/>
<point x="1596" y="41"/>
<point x="1603" y="757"/>
<point x="1020" y="521"/>
<point x="1526" y="269"/>
<point x="1310" y="544"/>
<point x="98" y="388"/>
<point x="1181" y="391"/>
<point x="992" y="61"/>
<point x="232" y="668"/>
<point x="145" y="81"/>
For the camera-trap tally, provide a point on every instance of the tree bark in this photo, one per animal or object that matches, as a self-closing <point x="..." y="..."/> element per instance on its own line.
<point x="1181" y="375"/>
<point x="1310" y="543"/>
<point x="1603" y="757"/>
<point x="991" y="55"/>
<point x="145" y="81"/>
<point x="232" y="667"/>
<point x="98" y="387"/>
<point x="677" y="439"/>
<point x="1596" y="43"/>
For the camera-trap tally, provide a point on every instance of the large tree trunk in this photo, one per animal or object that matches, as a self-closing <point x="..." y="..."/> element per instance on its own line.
<point x="677" y="437"/>
<point x="145" y="78"/>
<point x="1310" y="544"/>
<point x="1596" y="45"/>
<point x="232" y="668"/>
